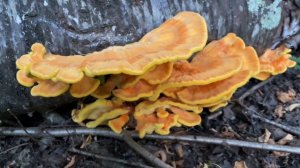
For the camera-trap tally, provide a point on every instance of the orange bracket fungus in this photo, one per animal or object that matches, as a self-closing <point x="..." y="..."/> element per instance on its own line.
<point x="161" y="115"/>
<point x="274" y="62"/>
<point x="48" y="88"/>
<point x="157" y="75"/>
<point x="159" y="46"/>
<point x="100" y="112"/>
<point x="205" y="94"/>
<point x="24" y="79"/>
<point x="139" y="90"/>
<point x="118" y="123"/>
<point x="149" y="107"/>
<point x="84" y="87"/>
<point x="104" y="91"/>
<point x="128" y="80"/>
<point x="147" y="124"/>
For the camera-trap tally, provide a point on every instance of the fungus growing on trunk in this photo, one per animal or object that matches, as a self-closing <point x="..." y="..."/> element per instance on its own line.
<point x="24" y="79"/>
<point x="274" y="62"/>
<point x="84" y="87"/>
<point x="161" y="45"/>
<point x="140" y="90"/>
<point x="100" y="112"/>
<point x="206" y="94"/>
<point x="48" y="88"/>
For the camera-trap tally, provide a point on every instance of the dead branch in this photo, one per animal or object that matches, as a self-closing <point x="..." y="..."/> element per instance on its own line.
<point x="290" y="129"/>
<point x="12" y="148"/>
<point x="253" y="89"/>
<point x="111" y="159"/>
<point x="143" y="152"/>
<point x="61" y="132"/>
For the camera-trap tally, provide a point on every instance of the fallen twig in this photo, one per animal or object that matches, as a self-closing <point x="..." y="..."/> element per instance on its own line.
<point x="290" y="129"/>
<point x="254" y="88"/>
<point x="254" y="114"/>
<point x="143" y="152"/>
<point x="88" y="154"/>
<point x="60" y="132"/>
<point x="12" y="148"/>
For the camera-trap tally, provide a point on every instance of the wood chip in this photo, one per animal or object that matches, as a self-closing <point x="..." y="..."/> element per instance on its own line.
<point x="161" y="154"/>
<point x="179" y="150"/>
<point x="276" y="153"/>
<point x="265" y="137"/>
<point x="285" y="97"/>
<point x="240" y="164"/>
<point x="279" y="112"/>
<point x="285" y="140"/>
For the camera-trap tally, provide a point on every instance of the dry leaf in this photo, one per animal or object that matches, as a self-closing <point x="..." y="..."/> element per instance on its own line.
<point x="161" y="154"/>
<point x="179" y="150"/>
<point x="271" y="141"/>
<point x="227" y="133"/>
<point x="265" y="137"/>
<point x="167" y="150"/>
<point x="279" y="111"/>
<point x="286" y="96"/>
<point x="293" y="106"/>
<point x="285" y="139"/>
<point x="240" y="164"/>
<point x="276" y="153"/>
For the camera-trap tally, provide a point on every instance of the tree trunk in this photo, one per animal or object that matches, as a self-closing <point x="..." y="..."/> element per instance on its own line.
<point x="77" y="27"/>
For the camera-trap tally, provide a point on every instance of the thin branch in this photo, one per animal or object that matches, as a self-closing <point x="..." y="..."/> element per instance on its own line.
<point x="61" y="132"/>
<point x="111" y="159"/>
<point x="12" y="148"/>
<point x="254" y="88"/>
<point x="290" y="129"/>
<point x="20" y="124"/>
<point x="143" y="152"/>
<point x="254" y="114"/>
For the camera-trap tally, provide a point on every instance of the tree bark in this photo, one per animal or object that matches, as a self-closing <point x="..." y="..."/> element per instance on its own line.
<point x="78" y="27"/>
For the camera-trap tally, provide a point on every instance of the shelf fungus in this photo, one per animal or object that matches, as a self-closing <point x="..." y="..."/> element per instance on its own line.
<point x="205" y="94"/>
<point x="159" y="46"/>
<point x="48" y="88"/>
<point x="148" y="107"/>
<point x="101" y="112"/>
<point x="188" y="74"/>
<point x="161" y="115"/>
<point x="104" y="90"/>
<point x="118" y="123"/>
<point x="154" y="76"/>
<point x="274" y="62"/>
<point x="84" y="87"/>
<point x="141" y="89"/>
<point x="24" y="79"/>
<point x="152" y="82"/>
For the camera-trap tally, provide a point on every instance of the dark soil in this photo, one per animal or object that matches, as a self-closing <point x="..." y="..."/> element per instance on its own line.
<point x="231" y="123"/>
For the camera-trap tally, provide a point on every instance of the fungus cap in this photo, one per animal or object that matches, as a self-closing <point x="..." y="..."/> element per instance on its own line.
<point x="205" y="94"/>
<point x="176" y="39"/>
<point x="48" y="88"/>
<point x="118" y="123"/>
<point x="84" y="87"/>
<point x="24" y="79"/>
<point x="149" y="107"/>
<point x="140" y="90"/>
